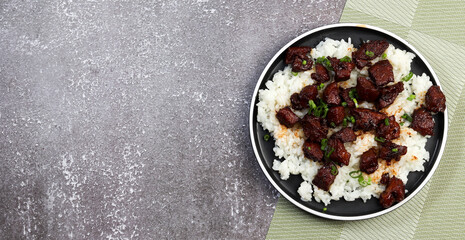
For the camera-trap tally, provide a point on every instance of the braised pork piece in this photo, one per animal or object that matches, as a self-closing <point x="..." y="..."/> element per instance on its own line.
<point x="369" y="51"/>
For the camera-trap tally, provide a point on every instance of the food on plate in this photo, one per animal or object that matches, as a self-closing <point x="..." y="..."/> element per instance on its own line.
<point x="354" y="124"/>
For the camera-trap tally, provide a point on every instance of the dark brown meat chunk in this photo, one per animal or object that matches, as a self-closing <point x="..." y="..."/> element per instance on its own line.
<point x="321" y="74"/>
<point x="422" y="122"/>
<point x="286" y="117"/>
<point x="340" y="154"/>
<point x="335" y="115"/>
<point x="435" y="101"/>
<point x="313" y="129"/>
<point x="390" y="131"/>
<point x="361" y="57"/>
<point x="331" y="95"/>
<point x="300" y="101"/>
<point x="308" y="93"/>
<point x="389" y="94"/>
<point x="367" y="119"/>
<point x="384" y="178"/>
<point x="296" y="102"/>
<point x="369" y="161"/>
<point x="395" y="192"/>
<point x="294" y="52"/>
<point x="381" y="73"/>
<point x="324" y="178"/>
<point x="312" y="151"/>
<point x="297" y="56"/>
<point x="342" y="70"/>
<point x="366" y="90"/>
<point x="345" y="135"/>
<point x="346" y="96"/>
<point x="390" y="151"/>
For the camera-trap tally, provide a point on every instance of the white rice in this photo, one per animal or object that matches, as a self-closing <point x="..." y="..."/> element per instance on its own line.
<point x="289" y="141"/>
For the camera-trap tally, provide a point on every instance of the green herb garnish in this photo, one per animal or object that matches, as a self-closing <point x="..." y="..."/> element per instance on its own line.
<point x="369" y="53"/>
<point x="325" y="62"/>
<point x="394" y="150"/>
<point x="352" y="119"/>
<point x="344" y="122"/>
<point x="312" y="106"/>
<point x="407" y="77"/>
<point x="346" y="59"/>
<point x="324" y="144"/>
<point x="355" y="102"/>
<point x="355" y="174"/>
<point x="407" y="117"/>
<point x="334" y="170"/>
<point x="411" y="97"/>
<point x="344" y="104"/>
<point x="386" y="121"/>
<point x="294" y="73"/>
<point x="321" y="86"/>
<point x="266" y="137"/>
<point x="324" y="209"/>
<point x="304" y="62"/>
<point x="332" y="124"/>
<point x="380" y="139"/>
<point x="384" y="56"/>
<point x="401" y="123"/>
<point x="328" y="153"/>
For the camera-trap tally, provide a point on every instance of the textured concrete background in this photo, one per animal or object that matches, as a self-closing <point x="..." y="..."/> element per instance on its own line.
<point x="123" y="119"/>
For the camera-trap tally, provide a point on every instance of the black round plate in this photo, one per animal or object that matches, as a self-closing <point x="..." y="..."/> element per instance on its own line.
<point x="344" y="210"/>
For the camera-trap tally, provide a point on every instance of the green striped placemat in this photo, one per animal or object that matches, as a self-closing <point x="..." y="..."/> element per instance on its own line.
<point x="437" y="30"/>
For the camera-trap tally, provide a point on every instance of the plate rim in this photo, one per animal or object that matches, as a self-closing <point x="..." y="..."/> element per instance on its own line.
<point x="264" y="169"/>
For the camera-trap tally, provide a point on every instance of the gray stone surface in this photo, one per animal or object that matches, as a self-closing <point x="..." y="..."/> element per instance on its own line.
<point x="122" y="119"/>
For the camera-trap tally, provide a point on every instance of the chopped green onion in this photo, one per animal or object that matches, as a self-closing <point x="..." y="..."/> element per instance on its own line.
<point x="334" y="170"/>
<point x="344" y="122"/>
<point x="324" y="209"/>
<point x="401" y="123"/>
<point x="384" y="56"/>
<point x="321" y="86"/>
<point x="353" y="93"/>
<point x="309" y="148"/>
<point x="394" y="150"/>
<point x="352" y="119"/>
<point x="386" y="121"/>
<point x="407" y="77"/>
<point x="344" y="104"/>
<point x="363" y="183"/>
<point x="407" y="117"/>
<point x="369" y="53"/>
<point x="356" y="103"/>
<point x="294" y="73"/>
<point x="328" y="153"/>
<point x="411" y="97"/>
<point x="355" y="174"/>
<point x="380" y="139"/>
<point x="325" y="112"/>
<point x="346" y="59"/>
<point x="332" y="124"/>
<point x="304" y="62"/>
<point x="324" y="144"/>
<point x="311" y="104"/>
<point x="266" y="137"/>
<point x="325" y="62"/>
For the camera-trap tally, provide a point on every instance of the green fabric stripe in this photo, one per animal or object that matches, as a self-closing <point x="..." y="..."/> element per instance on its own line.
<point x="355" y="16"/>
<point x="442" y="19"/>
<point x="438" y="210"/>
<point x="289" y="222"/>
